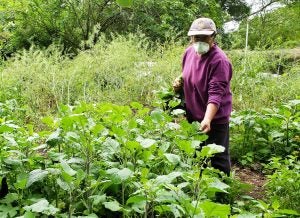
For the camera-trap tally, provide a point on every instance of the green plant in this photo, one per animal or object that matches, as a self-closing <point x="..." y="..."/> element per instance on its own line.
<point x="259" y="136"/>
<point x="284" y="181"/>
<point x="249" y="207"/>
<point x="254" y="71"/>
<point x="266" y="32"/>
<point x="108" y="160"/>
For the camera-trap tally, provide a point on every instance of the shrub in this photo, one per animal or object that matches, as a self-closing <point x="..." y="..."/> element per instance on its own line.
<point x="258" y="136"/>
<point x="284" y="183"/>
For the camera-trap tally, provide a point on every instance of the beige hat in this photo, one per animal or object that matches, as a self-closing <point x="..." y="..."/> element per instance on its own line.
<point x="202" y="26"/>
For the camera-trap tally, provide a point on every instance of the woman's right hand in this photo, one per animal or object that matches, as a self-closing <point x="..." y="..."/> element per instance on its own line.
<point x="178" y="84"/>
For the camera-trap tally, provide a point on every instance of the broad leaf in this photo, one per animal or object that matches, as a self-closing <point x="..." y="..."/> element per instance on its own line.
<point x="112" y="205"/>
<point x="157" y="116"/>
<point x="137" y="203"/>
<point x="42" y="206"/>
<point x="186" y="146"/>
<point x="212" y="209"/>
<point x="72" y="136"/>
<point x="173" y="126"/>
<point x="178" y="112"/>
<point x="48" y="121"/>
<point x="67" y="168"/>
<point x="110" y="147"/>
<point x="125" y="3"/>
<point x="62" y="184"/>
<point x="10" y="198"/>
<point x="98" y="199"/>
<point x="12" y="161"/>
<point x="8" y="211"/>
<point x="146" y="143"/>
<point x="122" y="175"/>
<point x="167" y="178"/>
<point x="21" y="181"/>
<point x="54" y="138"/>
<point x="136" y="105"/>
<point x="217" y="185"/>
<point x="29" y="214"/>
<point x="288" y="212"/>
<point x="210" y="150"/>
<point x="245" y="215"/>
<point x="36" y="175"/>
<point x="172" y="158"/>
<point x="10" y="139"/>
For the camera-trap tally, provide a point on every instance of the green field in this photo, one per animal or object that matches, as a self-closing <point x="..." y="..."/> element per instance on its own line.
<point x="76" y="142"/>
<point x="90" y="125"/>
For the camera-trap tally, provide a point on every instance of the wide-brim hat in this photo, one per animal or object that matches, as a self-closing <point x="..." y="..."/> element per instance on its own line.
<point x="202" y="26"/>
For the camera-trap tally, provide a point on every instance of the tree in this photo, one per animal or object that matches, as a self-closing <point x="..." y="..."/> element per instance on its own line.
<point x="43" y="22"/>
<point x="236" y="9"/>
<point x="279" y="28"/>
<point x="72" y="23"/>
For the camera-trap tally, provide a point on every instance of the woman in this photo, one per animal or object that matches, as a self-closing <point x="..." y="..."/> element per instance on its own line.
<point x="206" y="75"/>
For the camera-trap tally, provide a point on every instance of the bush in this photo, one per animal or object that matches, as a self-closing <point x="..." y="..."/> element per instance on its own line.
<point x="120" y="71"/>
<point x="256" y="82"/>
<point x="127" y="69"/>
<point x="258" y="136"/>
<point x="284" y="183"/>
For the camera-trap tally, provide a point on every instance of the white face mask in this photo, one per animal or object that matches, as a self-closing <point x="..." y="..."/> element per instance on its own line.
<point x="201" y="47"/>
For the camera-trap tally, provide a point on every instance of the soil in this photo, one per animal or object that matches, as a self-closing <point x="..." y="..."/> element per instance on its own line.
<point x="252" y="177"/>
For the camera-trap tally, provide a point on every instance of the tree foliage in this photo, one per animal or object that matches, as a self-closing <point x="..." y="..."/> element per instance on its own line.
<point x="279" y="28"/>
<point x="69" y="22"/>
<point x="74" y="23"/>
<point x="237" y="9"/>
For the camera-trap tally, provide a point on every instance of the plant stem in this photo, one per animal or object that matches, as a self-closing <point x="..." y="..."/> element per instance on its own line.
<point x="56" y="194"/>
<point x="287" y="133"/>
<point x="70" y="205"/>
<point x="123" y="193"/>
<point x="146" y="210"/>
<point x="146" y="207"/>
<point x="198" y="184"/>
<point x="123" y="198"/>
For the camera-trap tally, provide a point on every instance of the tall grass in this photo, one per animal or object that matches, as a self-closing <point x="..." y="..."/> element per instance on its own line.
<point x="257" y="82"/>
<point x="119" y="71"/>
<point x="129" y="69"/>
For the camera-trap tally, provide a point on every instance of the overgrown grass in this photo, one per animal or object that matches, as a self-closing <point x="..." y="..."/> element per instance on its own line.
<point x="129" y="69"/>
<point x="257" y="82"/>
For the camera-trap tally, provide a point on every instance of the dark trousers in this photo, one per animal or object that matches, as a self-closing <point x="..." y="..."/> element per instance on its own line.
<point x="219" y="135"/>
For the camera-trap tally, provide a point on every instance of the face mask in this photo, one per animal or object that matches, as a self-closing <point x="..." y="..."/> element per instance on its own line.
<point x="201" y="47"/>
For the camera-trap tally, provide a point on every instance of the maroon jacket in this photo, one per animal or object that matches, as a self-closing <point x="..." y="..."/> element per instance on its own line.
<point x="207" y="80"/>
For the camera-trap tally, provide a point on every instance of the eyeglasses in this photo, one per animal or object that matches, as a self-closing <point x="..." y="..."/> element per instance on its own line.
<point x="201" y="38"/>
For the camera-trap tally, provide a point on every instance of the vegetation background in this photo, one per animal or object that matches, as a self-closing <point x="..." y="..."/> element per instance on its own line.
<point x="69" y="53"/>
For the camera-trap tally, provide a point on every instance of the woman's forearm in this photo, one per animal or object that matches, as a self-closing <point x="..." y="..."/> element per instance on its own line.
<point x="210" y="112"/>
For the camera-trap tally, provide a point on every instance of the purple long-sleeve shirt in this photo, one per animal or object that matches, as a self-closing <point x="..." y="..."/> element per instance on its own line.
<point x="207" y="80"/>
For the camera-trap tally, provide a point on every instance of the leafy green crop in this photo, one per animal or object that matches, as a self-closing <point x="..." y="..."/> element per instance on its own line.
<point x="284" y="181"/>
<point x="260" y="136"/>
<point x="105" y="160"/>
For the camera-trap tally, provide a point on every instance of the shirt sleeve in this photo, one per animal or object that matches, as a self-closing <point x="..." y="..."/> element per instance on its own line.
<point x="219" y="79"/>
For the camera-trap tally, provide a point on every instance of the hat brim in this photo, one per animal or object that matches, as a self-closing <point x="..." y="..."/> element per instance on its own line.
<point x="202" y="32"/>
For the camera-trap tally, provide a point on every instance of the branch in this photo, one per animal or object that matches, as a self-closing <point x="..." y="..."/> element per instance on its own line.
<point x="101" y="9"/>
<point x="78" y="18"/>
<point x="104" y="25"/>
<point x="104" y="5"/>
<point x="88" y="21"/>
<point x="262" y="8"/>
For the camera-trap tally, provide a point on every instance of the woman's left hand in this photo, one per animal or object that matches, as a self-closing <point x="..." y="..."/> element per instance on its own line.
<point x="178" y="84"/>
<point x="205" y="126"/>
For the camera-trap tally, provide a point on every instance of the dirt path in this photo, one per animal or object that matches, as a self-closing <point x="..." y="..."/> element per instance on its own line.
<point x="255" y="179"/>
